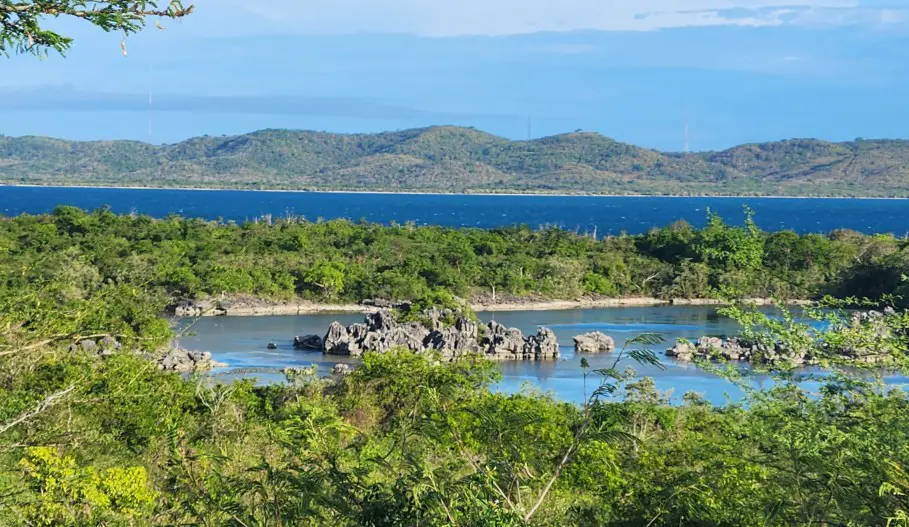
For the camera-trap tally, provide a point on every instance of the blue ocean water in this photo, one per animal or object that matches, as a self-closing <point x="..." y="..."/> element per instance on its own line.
<point x="605" y="214"/>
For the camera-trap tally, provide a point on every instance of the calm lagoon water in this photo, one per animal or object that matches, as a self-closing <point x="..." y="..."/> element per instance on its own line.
<point x="241" y="343"/>
<point x="606" y="215"/>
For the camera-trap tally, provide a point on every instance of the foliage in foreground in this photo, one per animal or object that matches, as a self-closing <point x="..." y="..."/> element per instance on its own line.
<point x="405" y="439"/>
<point x="408" y="441"/>
<point x="23" y="27"/>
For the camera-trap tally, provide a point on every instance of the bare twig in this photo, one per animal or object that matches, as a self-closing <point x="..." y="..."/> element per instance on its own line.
<point x="42" y="406"/>
<point x="66" y="337"/>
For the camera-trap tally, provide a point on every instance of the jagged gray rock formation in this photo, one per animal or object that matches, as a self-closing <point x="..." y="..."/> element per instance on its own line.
<point x="733" y="349"/>
<point x="381" y="332"/>
<point x="865" y="336"/>
<point x="503" y="342"/>
<point x="450" y="341"/>
<point x="543" y="345"/>
<point x="595" y="342"/>
<point x="184" y="361"/>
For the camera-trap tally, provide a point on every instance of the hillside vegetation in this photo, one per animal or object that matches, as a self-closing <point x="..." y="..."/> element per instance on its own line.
<point x="462" y="160"/>
<point x="96" y="432"/>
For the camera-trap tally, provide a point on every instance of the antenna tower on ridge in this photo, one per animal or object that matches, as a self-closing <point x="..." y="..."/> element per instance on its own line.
<point x="687" y="137"/>
<point x="149" y="112"/>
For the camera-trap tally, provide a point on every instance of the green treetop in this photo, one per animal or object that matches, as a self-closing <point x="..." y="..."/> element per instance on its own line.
<point x="23" y="30"/>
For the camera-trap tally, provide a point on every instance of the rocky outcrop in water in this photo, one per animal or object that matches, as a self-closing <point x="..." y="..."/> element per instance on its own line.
<point x="714" y="348"/>
<point x="184" y="361"/>
<point x="453" y="340"/>
<point x="543" y="345"/>
<point x="595" y="342"/>
<point x="871" y="339"/>
<point x="381" y="332"/>
<point x="504" y="343"/>
<point x="308" y="343"/>
<point x="732" y="349"/>
<point x="862" y="340"/>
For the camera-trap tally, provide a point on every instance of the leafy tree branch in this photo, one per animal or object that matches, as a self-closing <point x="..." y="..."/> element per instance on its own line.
<point x="23" y="26"/>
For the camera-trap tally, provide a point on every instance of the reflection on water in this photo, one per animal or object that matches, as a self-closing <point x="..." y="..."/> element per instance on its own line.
<point x="241" y="343"/>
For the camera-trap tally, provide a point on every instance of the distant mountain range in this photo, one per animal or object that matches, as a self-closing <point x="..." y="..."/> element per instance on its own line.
<point x="452" y="159"/>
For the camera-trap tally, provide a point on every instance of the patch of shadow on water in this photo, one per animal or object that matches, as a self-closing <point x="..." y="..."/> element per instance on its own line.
<point x="627" y="328"/>
<point x="221" y="372"/>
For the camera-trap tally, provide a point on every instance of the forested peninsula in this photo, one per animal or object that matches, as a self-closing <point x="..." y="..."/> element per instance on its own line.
<point x="96" y="431"/>
<point x="464" y="160"/>
<point x="340" y="261"/>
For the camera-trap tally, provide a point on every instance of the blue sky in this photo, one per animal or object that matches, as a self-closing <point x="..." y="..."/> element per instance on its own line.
<point x="735" y="70"/>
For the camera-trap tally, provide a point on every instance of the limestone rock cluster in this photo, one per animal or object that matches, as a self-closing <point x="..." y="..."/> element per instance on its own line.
<point x="595" y="342"/>
<point x="184" y="361"/>
<point x="864" y="341"/>
<point x="440" y="330"/>
<point x="733" y="349"/>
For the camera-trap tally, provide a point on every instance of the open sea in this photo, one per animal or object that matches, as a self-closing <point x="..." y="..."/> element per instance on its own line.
<point x="603" y="214"/>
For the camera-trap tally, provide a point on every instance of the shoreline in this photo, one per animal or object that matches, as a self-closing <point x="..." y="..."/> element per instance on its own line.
<point x="303" y="308"/>
<point x="445" y="193"/>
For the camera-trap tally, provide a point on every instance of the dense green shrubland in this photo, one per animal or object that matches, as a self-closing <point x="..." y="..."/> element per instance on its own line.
<point x="406" y="440"/>
<point x="341" y="260"/>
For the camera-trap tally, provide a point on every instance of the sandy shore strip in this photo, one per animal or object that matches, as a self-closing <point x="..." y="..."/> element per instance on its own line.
<point x="465" y="192"/>
<point x="303" y="308"/>
<point x="310" y="308"/>
<point x="562" y="305"/>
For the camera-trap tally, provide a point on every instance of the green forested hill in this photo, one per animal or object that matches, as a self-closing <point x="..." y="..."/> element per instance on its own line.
<point x="462" y="159"/>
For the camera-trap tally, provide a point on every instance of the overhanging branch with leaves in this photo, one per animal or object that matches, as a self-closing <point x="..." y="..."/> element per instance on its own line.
<point x="23" y="29"/>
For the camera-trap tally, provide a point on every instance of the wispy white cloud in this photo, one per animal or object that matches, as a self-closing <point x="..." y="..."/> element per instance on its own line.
<point x="506" y="17"/>
<point x="881" y="17"/>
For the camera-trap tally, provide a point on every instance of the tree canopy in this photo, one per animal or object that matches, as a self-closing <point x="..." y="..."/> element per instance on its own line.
<point x="342" y="261"/>
<point x="23" y="22"/>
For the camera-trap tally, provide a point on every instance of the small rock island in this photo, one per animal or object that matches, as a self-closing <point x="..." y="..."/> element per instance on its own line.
<point x="595" y="342"/>
<point x="441" y="330"/>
